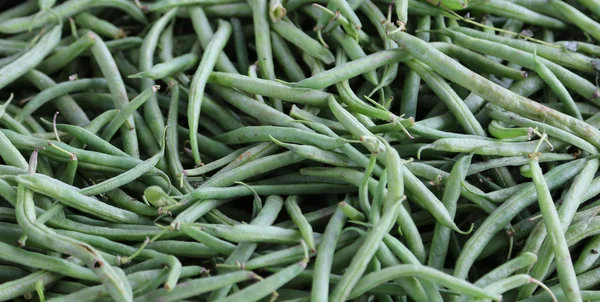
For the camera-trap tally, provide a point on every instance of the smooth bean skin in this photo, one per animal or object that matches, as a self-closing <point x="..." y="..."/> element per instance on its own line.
<point x="510" y="208"/>
<point x="495" y="93"/>
<point x="45" y="185"/>
<point x="568" y="59"/>
<point x="270" y="89"/>
<point x="31" y="58"/>
<point x="483" y="147"/>
<point x="65" y="10"/>
<point x="295" y="189"/>
<point x="379" y="277"/>
<point x="207" y="63"/>
<point x="60" y="89"/>
<point x="254" y="134"/>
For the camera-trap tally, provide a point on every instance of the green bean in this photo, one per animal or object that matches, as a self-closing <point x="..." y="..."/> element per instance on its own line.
<point x="101" y="27"/>
<point x="478" y="62"/>
<point x="32" y="57"/>
<point x="501" y="131"/>
<point x="579" y="46"/>
<point x="266" y="217"/>
<point x="45" y="262"/>
<point x="262" y="30"/>
<point x="261" y="165"/>
<point x="293" y="209"/>
<point x="23" y="9"/>
<point x="22" y="286"/>
<point x="172" y="141"/>
<point x="557" y="55"/>
<point x="523" y="58"/>
<point x="152" y="114"/>
<point x="196" y="211"/>
<point x="507" y="211"/>
<point x="587" y="257"/>
<point x="217" y="163"/>
<point x="250" y="233"/>
<point x="557" y="239"/>
<point x="465" y="118"/>
<point x="352" y="69"/>
<point x="318" y="155"/>
<point x="65" y="104"/>
<point x="270" y="89"/>
<point x="262" y="112"/>
<point x="64" y="56"/>
<point x="351" y="212"/>
<point x="205" y="35"/>
<point x="578" y="18"/>
<point x="212" y="242"/>
<point x="364" y="254"/>
<point x="66" y="194"/>
<point x="402" y="10"/>
<point x="253" y="134"/>
<point x="145" y="138"/>
<point x="441" y="235"/>
<point x="325" y="253"/>
<point x="258" y="151"/>
<point x="88" y="138"/>
<point x="126" y="177"/>
<point x="182" y="249"/>
<point x="299" y="114"/>
<point x="515" y="161"/>
<point x="281" y="257"/>
<point x="375" y="278"/>
<point x="125" y="112"/>
<point x="65" y="10"/>
<point x="515" y="11"/>
<point x="170" y="68"/>
<point x="197" y="286"/>
<point x="566" y="213"/>
<point x="58" y="90"/>
<point x="356" y="104"/>
<point x="290" y="32"/>
<point x="283" y="55"/>
<point x="265" y="287"/>
<point x="558" y="88"/>
<point x="163" y="5"/>
<point x="10" y="154"/>
<point x="550" y="130"/>
<point x="241" y="51"/>
<point x="112" y="278"/>
<point x="484" y="147"/>
<point x="137" y="279"/>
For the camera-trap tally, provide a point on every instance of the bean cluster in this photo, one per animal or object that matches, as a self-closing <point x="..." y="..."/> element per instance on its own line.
<point x="299" y="150"/>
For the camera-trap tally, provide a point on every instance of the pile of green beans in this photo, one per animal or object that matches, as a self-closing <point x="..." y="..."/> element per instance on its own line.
<point x="297" y="150"/>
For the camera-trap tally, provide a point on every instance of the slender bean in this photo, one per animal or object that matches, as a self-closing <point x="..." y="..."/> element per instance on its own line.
<point x="65" y="56"/>
<point x="266" y="217"/>
<point x="510" y="208"/>
<point x="101" y="27"/>
<point x="270" y="89"/>
<point x="578" y="18"/>
<point x="152" y="114"/>
<point x="294" y="35"/>
<point x="557" y="239"/>
<point x="364" y="254"/>
<point x="325" y="253"/>
<point x="65" y="10"/>
<point x="205" y="35"/>
<point x="376" y="278"/>
<point x="253" y="134"/>
<point x="58" y="90"/>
